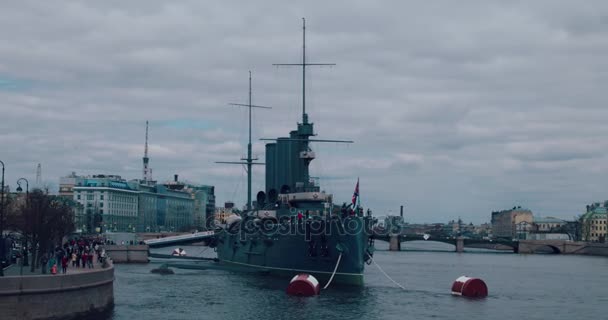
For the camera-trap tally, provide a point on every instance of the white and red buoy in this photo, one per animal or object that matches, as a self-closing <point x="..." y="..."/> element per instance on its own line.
<point x="469" y="287"/>
<point x="303" y="285"/>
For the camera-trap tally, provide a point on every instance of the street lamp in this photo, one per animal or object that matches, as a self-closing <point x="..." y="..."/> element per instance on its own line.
<point x="27" y="195"/>
<point x="27" y="186"/>
<point x="2" y="223"/>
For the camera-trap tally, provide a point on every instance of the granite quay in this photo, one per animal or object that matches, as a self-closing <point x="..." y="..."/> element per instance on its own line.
<point x="75" y="294"/>
<point x="127" y="253"/>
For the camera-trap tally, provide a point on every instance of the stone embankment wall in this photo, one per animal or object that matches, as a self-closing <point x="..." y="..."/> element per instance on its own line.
<point x="595" y="249"/>
<point x="57" y="296"/>
<point x="127" y="253"/>
<point x="564" y="247"/>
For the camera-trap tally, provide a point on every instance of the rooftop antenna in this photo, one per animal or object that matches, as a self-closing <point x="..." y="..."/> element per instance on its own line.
<point x="249" y="160"/>
<point x="146" y="171"/>
<point x="304" y="64"/>
<point x="39" y="176"/>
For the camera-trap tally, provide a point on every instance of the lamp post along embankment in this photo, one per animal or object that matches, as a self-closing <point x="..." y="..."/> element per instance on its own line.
<point x="27" y="207"/>
<point x="2" y="244"/>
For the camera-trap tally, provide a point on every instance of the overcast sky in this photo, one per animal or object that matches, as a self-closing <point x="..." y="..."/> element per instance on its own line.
<point x="457" y="108"/>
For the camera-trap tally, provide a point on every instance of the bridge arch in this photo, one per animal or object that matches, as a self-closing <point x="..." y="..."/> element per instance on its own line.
<point x="546" y="248"/>
<point x="429" y="245"/>
<point x="448" y="241"/>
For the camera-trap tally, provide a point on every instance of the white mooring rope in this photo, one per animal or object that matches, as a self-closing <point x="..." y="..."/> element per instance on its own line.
<point x="384" y="273"/>
<point x="333" y="273"/>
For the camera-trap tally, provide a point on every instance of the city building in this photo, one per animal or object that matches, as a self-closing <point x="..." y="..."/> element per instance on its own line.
<point x="417" y="228"/>
<point x="112" y="204"/>
<point x="175" y="210"/>
<point x="483" y="230"/>
<point x="594" y="223"/>
<point x="109" y="203"/>
<point x="204" y="201"/>
<point x="221" y="213"/>
<point x="455" y="227"/>
<point x="550" y="228"/>
<point x="548" y="224"/>
<point x="514" y="223"/>
<point x="66" y="185"/>
<point x="164" y="209"/>
<point x="204" y="205"/>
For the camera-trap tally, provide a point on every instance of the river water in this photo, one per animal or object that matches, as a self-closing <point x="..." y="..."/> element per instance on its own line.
<point x="520" y="287"/>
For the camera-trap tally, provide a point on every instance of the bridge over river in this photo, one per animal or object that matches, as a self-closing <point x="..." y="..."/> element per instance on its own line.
<point x="522" y="246"/>
<point x="395" y="241"/>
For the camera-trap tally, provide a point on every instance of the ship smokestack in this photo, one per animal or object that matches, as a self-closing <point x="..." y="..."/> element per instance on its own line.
<point x="401" y="212"/>
<point x="175" y="177"/>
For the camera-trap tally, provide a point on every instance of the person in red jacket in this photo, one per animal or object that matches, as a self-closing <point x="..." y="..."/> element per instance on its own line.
<point x="84" y="258"/>
<point x="90" y="260"/>
<point x="64" y="264"/>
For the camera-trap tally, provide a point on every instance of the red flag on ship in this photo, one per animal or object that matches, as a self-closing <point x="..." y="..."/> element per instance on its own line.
<point x="356" y="194"/>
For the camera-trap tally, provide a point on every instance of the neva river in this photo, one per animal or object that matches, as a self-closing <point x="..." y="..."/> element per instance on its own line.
<point x="520" y="287"/>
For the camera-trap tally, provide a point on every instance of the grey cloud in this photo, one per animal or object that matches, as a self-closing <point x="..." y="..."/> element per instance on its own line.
<point x="452" y="106"/>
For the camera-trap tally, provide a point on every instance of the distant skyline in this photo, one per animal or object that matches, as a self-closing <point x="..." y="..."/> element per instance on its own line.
<point x="456" y="109"/>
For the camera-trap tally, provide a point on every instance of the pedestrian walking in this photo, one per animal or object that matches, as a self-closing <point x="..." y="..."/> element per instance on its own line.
<point x="43" y="263"/>
<point x="64" y="264"/>
<point x="84" y="258"/>
<point x="53" y="264"/>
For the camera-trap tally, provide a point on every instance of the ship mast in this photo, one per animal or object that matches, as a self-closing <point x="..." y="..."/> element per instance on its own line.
<point x="304" y="117"/>
<point x="304" y="64"/>
<point x="249" y="161"/>
<point x="297" y="145"/>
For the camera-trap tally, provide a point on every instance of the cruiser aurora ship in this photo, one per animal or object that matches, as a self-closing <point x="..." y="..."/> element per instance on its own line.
<point x="294" y="227"/>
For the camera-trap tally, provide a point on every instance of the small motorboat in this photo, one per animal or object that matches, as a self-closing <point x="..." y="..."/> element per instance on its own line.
<point x="179" y="252"/>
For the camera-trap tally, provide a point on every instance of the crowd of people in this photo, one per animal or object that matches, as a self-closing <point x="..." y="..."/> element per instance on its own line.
<point x="77" y="253"/>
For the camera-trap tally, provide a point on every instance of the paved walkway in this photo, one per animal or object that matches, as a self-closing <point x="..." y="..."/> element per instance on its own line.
<point x="15" y="270"/>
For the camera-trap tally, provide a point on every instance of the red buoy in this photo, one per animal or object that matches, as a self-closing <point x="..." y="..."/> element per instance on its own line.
<point x="469" y="287"/>
<point x="303" y="285"/>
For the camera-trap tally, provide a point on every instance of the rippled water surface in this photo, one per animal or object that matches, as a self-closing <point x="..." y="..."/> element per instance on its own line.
<point x="520" y="286"/>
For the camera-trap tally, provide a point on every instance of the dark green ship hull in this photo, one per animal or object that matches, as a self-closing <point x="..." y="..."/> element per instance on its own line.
<point x="294" y="250"/>
<point x="355" y="279"/>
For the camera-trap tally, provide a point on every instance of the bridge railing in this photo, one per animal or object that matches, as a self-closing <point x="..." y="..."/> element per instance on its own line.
<point x="202" y="235"/>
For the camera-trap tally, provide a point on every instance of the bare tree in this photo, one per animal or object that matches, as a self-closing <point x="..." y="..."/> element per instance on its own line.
<point x="585" y="226"/>
<point x="43" y="220"/>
